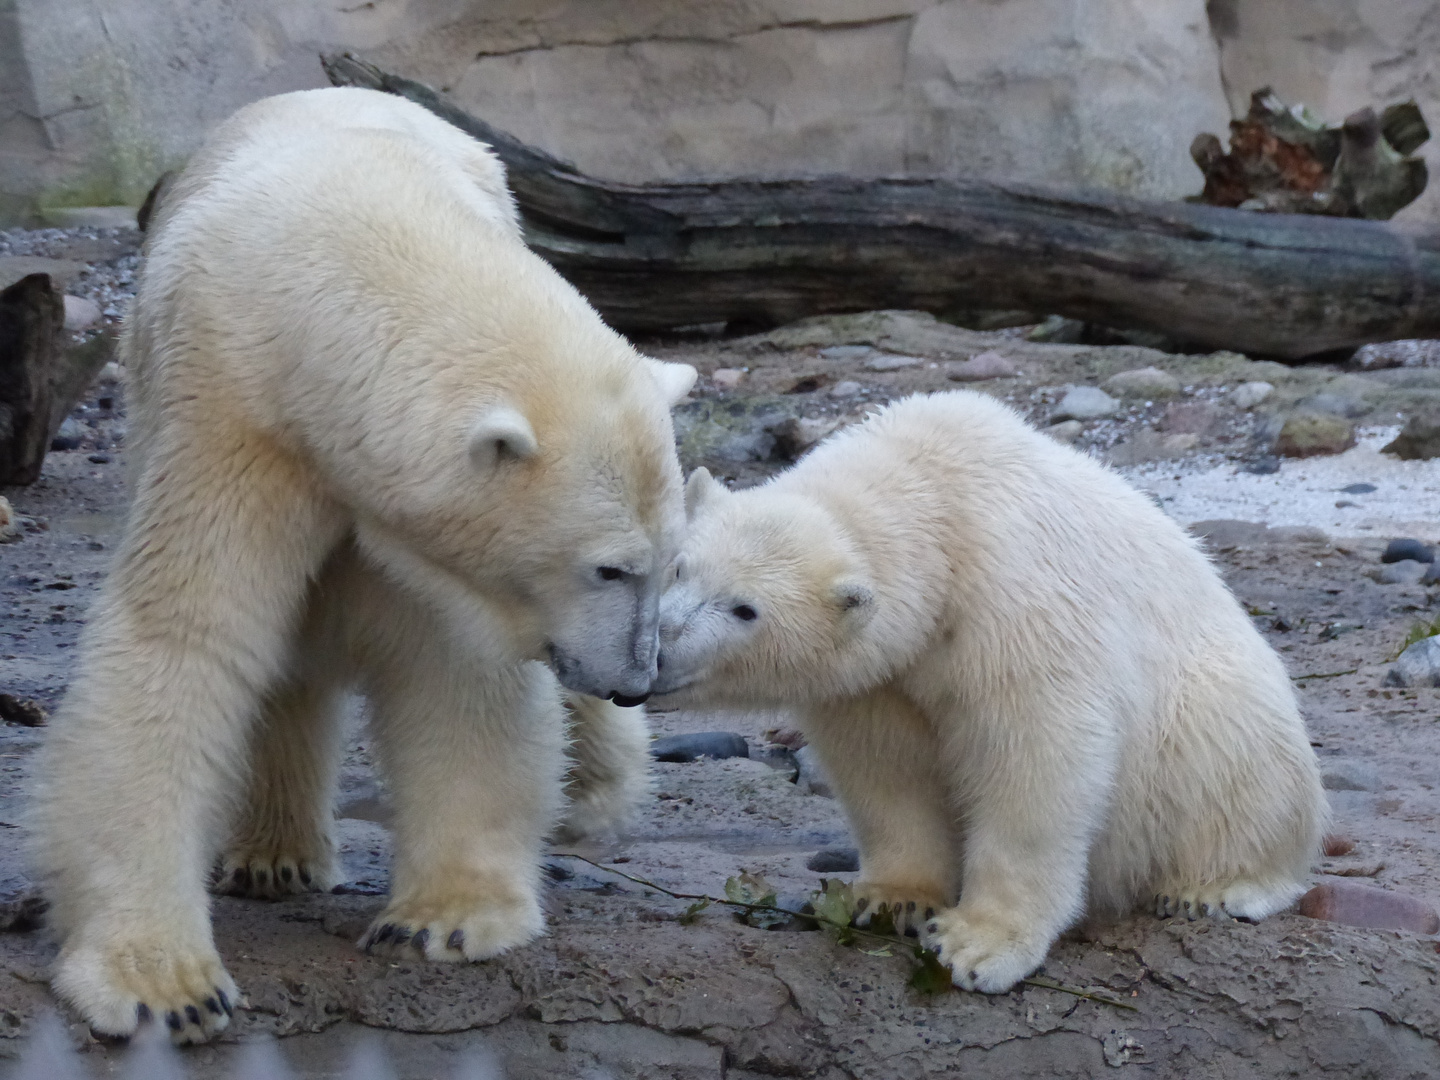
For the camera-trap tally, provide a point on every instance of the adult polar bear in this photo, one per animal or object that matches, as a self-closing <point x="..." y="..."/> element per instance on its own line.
<point x="340" y="339"/>
<point x="1024" y="679"/>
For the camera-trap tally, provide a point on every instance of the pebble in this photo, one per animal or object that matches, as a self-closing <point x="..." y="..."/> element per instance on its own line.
<point x="23" y="711"/>
<point x="1404" y="572"/>
<point x="1359" y="489"/>
<point x="727" y="378"/>
<point x="985" y="365"/>
<point x="1307" y="434"/>
<point x="701" y="744"/>
<point x="1336" y="844"/>
<point x="1084" y="403"/>
<point x="812" y="779"/>
<point x="1419" y="439"/>
<point x="70" y="435"/>
<point x="845" y="352"/>
<point x="1419" y="665"/>
<point x="1334" y="405"/>
<point x="1249" y="394"/>
<point x="80" y="313"/>
<point x="99" y="459"/>
<point x="779" y="758"/>
<point x="796" y="434"/>
<point x="1148" y="382"/>
<point x="835" y="860"/>
<point x="9" y="523"/>
<point x="1264" y="466"/>
<point x="1067" y="431"/>
<point x="1432" y="575"/>
<point x="1353" y="904"/>
<point x="846" y="389"/>
<point x="1058" y="330"/>
<point x="888" y="362"/>
<point x="1408" y="548"/>
<point x="1349" y="774"/>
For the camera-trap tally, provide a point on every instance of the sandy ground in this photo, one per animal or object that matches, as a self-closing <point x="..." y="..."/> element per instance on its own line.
<point x="621" y="987"/>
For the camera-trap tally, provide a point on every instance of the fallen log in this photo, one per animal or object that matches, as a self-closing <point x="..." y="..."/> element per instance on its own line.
<point x="763" y="252"/>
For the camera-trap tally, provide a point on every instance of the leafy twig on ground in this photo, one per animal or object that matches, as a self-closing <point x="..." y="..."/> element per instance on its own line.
<point x="1324" y="675"/>
<point x="827" y="904"/>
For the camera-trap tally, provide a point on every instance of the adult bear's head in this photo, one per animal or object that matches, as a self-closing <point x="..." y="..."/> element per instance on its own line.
<point x="513" y="458"/>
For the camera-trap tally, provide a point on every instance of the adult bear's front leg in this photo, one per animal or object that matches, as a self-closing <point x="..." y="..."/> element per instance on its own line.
<point x="188" y="635"/>
<point x="474" y="754"/>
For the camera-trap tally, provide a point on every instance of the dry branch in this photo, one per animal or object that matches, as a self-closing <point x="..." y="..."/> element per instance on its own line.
<point x="764" y="252"/>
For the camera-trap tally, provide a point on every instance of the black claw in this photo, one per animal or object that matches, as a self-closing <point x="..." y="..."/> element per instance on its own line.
<point x="262" y="878"/>
<point x="224" y="1001"/>
<point x="862" y="905"/>
<point x="212" y="1005"/>
<point x="384" y="935"/>
<point x="929" y="912"/>
<point x="192" y="1014"/>
<point x="241" y="877"/>
<point x="305" y="878"/>
<point x="456" y="940"/>
<point x="909" y="906"/>
<point x="932" y="928"/>
<point x="910" y="931"/>
<point x="286" y="874"/>
<point x="973" y="976"/>
<point x="421" y="939"/>
<point x="401" y="935"/>
<point x="939" y="949"/>
<point x="143" y="1014"/>
<point x="172" y="1021"/>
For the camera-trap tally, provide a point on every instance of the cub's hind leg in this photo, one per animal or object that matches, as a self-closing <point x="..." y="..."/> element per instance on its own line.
<point x="609" y="770"/>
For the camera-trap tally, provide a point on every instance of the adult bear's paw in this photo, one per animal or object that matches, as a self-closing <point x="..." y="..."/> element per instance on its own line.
<point x="473" y="923"/>
<point x="119" y="986"/>
<point x="986" y="955"/>
<point x="910" y="906"/>
<point x="271" y="874"/>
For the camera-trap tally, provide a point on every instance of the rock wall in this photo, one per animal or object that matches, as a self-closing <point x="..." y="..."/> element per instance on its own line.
<point x="98" y="96"/>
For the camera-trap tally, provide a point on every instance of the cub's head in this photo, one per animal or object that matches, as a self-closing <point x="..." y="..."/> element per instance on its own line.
<point x="767" y="602"/>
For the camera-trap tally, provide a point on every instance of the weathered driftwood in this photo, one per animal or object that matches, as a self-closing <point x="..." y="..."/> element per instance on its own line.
<point x="656" y="256"/>
<point x="1284" y="160"/>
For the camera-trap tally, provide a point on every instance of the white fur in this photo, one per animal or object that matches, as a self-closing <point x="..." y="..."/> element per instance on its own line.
<point x="340" y="333"/>
<point x="1034" y="694"/>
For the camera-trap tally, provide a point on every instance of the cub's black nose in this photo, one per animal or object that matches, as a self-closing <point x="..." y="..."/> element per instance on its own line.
<point x="626" y="702"/>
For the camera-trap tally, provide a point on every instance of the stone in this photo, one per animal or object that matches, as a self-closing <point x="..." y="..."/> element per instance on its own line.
<point x="1353" y="904"/>
<point x="1224" y="534"/>
<point x="9" y="522"/>
<point x="843" y="860"/>
<point x="1296" y="534"/>
<point x="1149" y="383"/>
<point x="697" y="745"/>
<point x="797" y="434"/>
<point x="99" y="459"/>
<point x="90" y="217"/>
<point x="1404" y="548"/>
<point x="1309" y="434"/>
<point x="891" y="362"/>
<point x="70" y="434"/>
<point x="1198" y="418"/>
<point x="1067" y="431"/>
<point x="1419" y="665"/>
<point x="1348" y="774"/>
<point x="846" y="389"/>
<point x="1057" y="330"/>
<point x="812" y="779"/>
<point x="1335" y="405"/>
<point x="1178" y="444"/>
<point x="1249" y="394"/>
<point x="727" y="378"/>
<point x="1404" y="572"/>
<point x="1084" y="403"/>
<point x="846" y="352"/>
<point x="1335" y="845"/>
<point x="1359" y="489"/>
<point x="26" y="712"/>
<point x="779" y="758"/>
<point x="1432" y="574"/>
<point x="80" y="313"/>
<point x="1419" y="439"/>
<point x="985" y="365"/>
<point x="62" y="271"/>
<point x="1394" y="354"/>
<point x="1263" y="465"/>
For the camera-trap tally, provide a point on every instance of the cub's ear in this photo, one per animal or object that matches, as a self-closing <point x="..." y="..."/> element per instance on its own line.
<point x="675" y="379"/>
<point x="700" y="489"/>
<point x="855" y="599"/>
<point x="501" y="433"/>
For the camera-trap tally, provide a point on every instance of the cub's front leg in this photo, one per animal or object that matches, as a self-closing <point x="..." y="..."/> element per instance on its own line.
<point x="609" y="771"/>
<point x="883" y="757"/>
<point x="475" y="758"/>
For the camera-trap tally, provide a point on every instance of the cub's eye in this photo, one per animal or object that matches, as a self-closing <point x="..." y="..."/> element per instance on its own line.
<point x="610" y="573"/>
<point x="743" y="612"/>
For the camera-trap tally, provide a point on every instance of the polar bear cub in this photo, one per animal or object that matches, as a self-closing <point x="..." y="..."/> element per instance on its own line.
<point x="342" y="348"/>
<point x="1035" y="696"/>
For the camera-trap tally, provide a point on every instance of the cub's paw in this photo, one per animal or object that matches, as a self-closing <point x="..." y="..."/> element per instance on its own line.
<point x="270" y="874"/>
<point x="983" y="954"/>
<point x="471" y="925"/>
<point x="119" y="987"/>
<point x="909" y="906"/>
<point x="1238" y="900"/>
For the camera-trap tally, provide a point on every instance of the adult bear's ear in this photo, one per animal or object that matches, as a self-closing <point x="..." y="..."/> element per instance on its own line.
<point x="855" y="599"/>
<point x="675" y="379"/>
<point x="700" y="489"/>
<point x="501" y="433"/>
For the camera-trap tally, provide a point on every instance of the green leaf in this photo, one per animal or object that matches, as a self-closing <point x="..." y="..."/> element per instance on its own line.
<point x="931" y="977"/>
<point x="692" y="913"/>
<point x="834" y="903"/>
<point x="748" y="888"/>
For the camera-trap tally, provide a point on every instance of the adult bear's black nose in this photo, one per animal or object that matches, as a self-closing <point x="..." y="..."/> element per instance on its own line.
<point x="627" y="702"/>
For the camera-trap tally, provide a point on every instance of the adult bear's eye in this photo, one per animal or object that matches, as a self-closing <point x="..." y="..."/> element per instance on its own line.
<point x="743" y="612"/>
<point x="611" y="573"/>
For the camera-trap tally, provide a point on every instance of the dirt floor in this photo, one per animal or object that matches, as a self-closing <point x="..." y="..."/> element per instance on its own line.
<point x="622" y="986"/>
